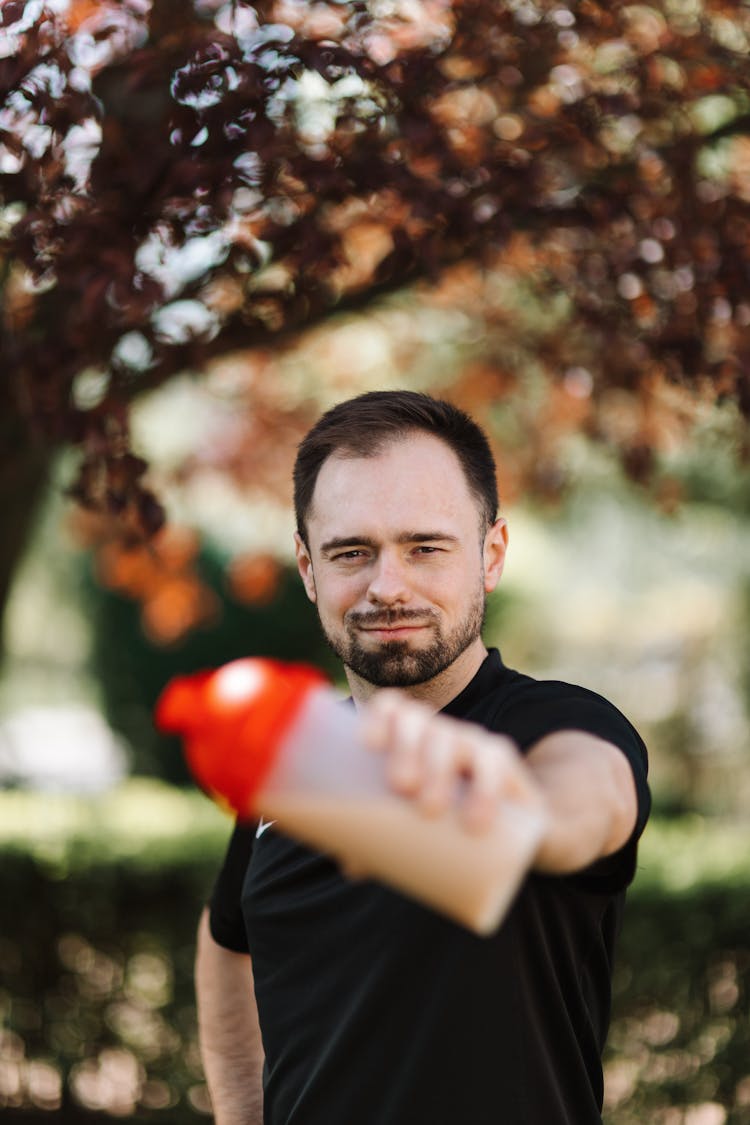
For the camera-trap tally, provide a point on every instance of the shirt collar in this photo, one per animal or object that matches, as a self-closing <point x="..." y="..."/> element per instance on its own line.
<point x="488" y="677"/>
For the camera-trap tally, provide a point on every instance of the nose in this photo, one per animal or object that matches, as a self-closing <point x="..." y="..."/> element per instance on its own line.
<point x="388" y="581"/>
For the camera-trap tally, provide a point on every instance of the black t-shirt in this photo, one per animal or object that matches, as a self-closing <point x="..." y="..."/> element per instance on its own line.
<point x="377" y="1011"/>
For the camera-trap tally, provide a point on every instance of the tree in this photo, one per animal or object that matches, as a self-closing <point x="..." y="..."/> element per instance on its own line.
<point x="184" y="180"/>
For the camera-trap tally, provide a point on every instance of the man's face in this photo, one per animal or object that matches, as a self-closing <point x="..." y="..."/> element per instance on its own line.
<point x="396" y="562"/>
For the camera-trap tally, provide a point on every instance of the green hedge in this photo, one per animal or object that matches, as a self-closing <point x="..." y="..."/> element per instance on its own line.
<point x="100" y="899"/>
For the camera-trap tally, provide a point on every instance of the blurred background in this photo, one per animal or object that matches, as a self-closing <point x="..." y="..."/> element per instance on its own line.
<point x="217" y="220"/>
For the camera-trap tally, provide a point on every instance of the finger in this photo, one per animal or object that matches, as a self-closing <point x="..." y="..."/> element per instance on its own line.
<point x="410" y="739"/>
<point x="497" y="773"/>
<point x="486" y="776"/>
<point x="440" y="780"/>
<point x="376" y="720"/>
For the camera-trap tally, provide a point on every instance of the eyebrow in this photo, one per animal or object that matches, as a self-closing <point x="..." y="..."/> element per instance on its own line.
<point x="338" y="544"/>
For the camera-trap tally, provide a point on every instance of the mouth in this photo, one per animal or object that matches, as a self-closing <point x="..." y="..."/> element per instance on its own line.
<point x="392" y="632"/>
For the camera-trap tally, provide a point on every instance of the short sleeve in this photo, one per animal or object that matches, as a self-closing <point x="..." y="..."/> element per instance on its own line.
<point x="570" y="708"/>
<point x="225" y="908"/>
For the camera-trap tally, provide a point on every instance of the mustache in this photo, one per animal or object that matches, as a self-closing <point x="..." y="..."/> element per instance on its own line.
<point x="388" y="618"/>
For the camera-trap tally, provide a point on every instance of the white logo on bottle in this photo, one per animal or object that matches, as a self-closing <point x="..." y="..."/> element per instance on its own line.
<point x="263" y="825"/>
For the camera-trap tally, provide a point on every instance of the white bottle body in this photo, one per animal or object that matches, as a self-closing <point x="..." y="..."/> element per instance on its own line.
<point x="327" y="790"/>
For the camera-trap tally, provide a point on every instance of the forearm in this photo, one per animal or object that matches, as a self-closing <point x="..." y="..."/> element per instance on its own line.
<point x="229" y="1033"/>
<point x="590" y="800"/>
<point x="581" y="785"/>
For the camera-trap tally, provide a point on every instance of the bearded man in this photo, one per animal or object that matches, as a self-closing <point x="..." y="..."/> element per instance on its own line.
<point x="328" y="1001"/>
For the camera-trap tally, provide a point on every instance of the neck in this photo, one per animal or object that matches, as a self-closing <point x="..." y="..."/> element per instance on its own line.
<point x="438" y="691"/>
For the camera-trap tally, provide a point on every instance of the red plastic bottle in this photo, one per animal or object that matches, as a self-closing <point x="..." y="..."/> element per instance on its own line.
<point x="273" y="739"/>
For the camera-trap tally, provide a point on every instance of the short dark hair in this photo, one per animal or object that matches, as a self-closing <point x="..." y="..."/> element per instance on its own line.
<point x="361" y="426"/>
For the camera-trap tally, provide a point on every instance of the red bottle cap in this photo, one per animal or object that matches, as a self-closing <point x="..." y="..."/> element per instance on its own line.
<point x="233" y="721"/>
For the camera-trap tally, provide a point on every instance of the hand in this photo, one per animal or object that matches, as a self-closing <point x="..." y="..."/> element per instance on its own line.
<point x="439" y="762"/>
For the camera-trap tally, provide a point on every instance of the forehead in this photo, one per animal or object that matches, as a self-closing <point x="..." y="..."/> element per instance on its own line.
<point x="414" y="480"/>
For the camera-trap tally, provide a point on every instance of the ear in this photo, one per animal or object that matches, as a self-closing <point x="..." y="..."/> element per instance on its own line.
<point x="495" y="546"/>
<point x="304" y="565"/>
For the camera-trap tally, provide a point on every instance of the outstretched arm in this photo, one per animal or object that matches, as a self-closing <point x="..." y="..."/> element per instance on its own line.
<point x="229" y="1033"/>
<point x="583" y="785"/>
<point x="590" y="796"/>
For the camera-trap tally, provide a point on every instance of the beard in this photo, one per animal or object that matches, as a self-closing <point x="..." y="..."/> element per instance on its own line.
<point x="395" y="663"/>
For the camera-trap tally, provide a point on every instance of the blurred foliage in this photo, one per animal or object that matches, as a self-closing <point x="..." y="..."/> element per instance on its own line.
<point x="538" y="209"/>
<point x="99" y="905"/>
<point x="96" y="973"/>
<point x="679" y="1044"/>
<point x="132" y="664"/>
<point x="182" y="180"/>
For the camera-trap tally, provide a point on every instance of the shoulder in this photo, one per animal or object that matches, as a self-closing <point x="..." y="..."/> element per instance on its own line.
<point x="527" y="709"/>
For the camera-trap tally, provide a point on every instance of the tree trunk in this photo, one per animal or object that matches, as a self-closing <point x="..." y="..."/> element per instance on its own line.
<point x="24" y="473"/>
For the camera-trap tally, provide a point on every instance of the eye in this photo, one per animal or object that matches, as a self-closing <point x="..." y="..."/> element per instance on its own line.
<point x="350" y="556"/>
